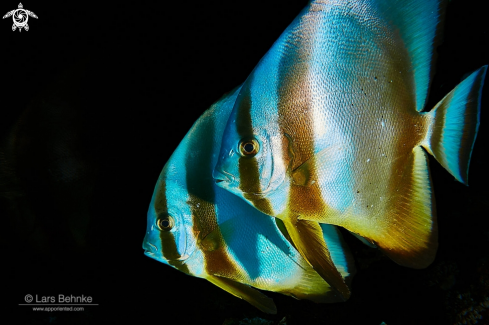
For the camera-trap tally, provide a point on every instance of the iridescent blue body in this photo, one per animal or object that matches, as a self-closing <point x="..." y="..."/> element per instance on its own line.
<point x="331" y="126"/>
<point x="207" y="232"/>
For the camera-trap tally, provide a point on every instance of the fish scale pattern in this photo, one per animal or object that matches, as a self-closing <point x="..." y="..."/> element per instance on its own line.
<point x="329" y="130"/>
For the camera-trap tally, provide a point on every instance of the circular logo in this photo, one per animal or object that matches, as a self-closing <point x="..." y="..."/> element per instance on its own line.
<point x="28" y="298"/>
<point x="20" y="17"/>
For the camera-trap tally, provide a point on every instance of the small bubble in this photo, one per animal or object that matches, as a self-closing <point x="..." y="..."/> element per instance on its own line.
<point x="368" y="159"/>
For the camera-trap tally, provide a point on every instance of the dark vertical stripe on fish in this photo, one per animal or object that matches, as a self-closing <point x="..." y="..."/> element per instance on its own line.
<point x="249" y="171"/>
<point x="201" y="189"/>
<point x="168" y="242"/>
<point x="200" y="184"/>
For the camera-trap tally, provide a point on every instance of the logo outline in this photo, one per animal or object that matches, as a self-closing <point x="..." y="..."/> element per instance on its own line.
<point x="20" y="16"/>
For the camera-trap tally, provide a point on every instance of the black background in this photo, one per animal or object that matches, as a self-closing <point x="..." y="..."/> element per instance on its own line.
<point x="95" y="98"/>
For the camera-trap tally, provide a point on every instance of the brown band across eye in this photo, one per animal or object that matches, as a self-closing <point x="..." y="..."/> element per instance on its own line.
<point x="165" y="223"/>
<point x="248" y="147"/>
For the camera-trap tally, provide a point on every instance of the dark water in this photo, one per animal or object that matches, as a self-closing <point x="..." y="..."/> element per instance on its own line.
<point x="95" y="98"/>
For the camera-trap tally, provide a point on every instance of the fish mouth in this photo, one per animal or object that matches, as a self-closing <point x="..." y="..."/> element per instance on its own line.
<point x="149" y="253"/>
<point x="175" y="261"/>
<point x="149" y="249"/>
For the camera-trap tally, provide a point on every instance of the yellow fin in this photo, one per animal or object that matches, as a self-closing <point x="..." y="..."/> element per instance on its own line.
<point x="243" y="291"/>
<point x="308" y="238"/>
<point x="410" y="237"/>
<point x="283" y="230"/>
<point x="313" y="287"/>
<point x="364" y="240"/>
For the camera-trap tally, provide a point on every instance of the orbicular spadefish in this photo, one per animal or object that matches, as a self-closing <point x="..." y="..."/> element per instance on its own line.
<point x="207" y="232"/>
<point x="332" y="126"/>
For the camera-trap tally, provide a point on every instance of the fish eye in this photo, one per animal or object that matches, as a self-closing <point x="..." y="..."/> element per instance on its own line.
<point x="165" y="223"/>
<point x="248" y="147"/>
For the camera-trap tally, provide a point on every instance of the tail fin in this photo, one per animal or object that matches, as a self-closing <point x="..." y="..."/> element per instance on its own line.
<point x="455" y="125"/>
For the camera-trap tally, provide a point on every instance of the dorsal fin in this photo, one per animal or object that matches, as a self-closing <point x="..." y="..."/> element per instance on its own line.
<point x="419" y="25"/>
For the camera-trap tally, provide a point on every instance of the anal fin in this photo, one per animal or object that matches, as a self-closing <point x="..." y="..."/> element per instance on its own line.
<point x="409" y="234"/>
<point x="243" y="291"/>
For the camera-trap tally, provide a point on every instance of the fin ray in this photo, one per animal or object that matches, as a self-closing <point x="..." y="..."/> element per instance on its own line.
<point x="418" y="23"/>
<point x="410" y="236"/>
<point x="455" y="125"/>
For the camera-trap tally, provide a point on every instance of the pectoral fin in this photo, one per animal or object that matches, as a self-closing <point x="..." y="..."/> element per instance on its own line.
<point x="307" y="237"/>
<point x="211" y="241"/>
<point x="243" y="291"/>
<point x="305" y="174"/>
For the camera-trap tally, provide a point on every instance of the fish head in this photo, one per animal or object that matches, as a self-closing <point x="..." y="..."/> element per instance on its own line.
<point x="169" y="232"/>
<point x="251" y="162"/>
